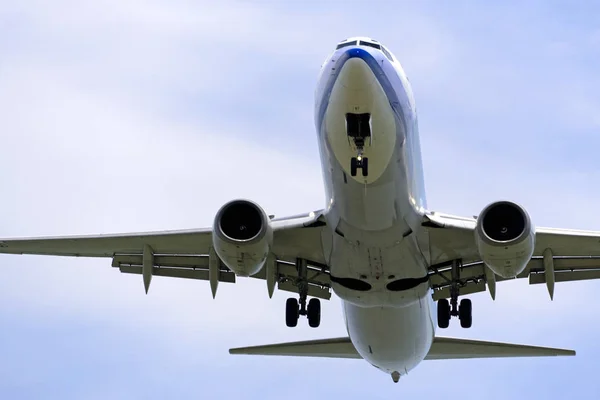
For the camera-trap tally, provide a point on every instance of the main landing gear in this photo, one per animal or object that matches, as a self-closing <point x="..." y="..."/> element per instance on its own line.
<point x="296" y="307"/>
<point x="448" y="309"/>
<point x="463" y="312"/>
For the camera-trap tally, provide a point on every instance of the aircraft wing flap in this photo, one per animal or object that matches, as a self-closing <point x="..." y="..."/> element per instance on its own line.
<point x="474" y="278"/>
<point x="469" y="288"/>
<point x="185" y="273"/>
<point x="566" y="276"/>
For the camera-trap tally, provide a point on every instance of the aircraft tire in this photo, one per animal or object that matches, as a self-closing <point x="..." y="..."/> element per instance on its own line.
<point x="314" y="313"/>
<point x="291" y="312"/>
<point x="353" y="166"/>
<point x="443" y="313"/>
<point x="465" y="313"/>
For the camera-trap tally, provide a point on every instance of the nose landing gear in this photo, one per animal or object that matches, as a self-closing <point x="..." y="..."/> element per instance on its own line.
<point x="359" y="162"/>
<point x="358" y="129"/>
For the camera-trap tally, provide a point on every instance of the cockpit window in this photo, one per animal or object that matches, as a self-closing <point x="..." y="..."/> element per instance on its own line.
<point x="339" y="46"/>
<point x="374" y="45"/>
<point x="387" y="54"/>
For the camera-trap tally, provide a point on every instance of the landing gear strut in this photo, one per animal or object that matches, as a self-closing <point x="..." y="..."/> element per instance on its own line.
<point x="294" y="308"/>
<point x="448" y="309"/>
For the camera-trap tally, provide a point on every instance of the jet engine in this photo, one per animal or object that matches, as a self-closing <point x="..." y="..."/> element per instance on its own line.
<point x="242" y="236"/>
<point x="505" y="238"/>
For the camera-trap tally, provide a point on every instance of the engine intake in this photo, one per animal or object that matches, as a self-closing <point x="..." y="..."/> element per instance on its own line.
<point x="242" y="236"/>
<point x="241" y="220"/>
<point x="505" y="238"/>
<point x="504" y="221"/>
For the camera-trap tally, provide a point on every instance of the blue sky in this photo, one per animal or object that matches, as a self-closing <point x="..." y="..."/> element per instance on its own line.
<point x="128" y="115"/>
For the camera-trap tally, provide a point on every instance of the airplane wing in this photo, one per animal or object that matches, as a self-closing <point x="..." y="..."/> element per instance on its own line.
<point x="185" y="253"/>
<point x="575" y="255"/>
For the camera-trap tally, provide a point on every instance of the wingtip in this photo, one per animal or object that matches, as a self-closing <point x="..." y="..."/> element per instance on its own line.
<point x="565" y="353"/>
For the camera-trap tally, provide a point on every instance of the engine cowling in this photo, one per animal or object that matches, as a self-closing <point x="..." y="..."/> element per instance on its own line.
<point x="242" y="236"/>
<point x="505" y="238"/>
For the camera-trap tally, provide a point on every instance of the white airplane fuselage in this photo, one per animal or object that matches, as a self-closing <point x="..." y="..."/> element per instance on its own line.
<point x="375" y="248"/>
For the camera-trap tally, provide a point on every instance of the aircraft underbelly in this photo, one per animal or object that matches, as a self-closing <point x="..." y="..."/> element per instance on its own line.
<point x="393" y="269"/>
<point x="391" y="338"/>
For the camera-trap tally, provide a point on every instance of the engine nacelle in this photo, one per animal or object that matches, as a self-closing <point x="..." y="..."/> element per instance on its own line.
<point x="505" y="238"/>
<point x="242" y="236"/>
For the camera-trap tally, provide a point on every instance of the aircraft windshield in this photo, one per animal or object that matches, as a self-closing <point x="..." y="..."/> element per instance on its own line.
<point x="370" y="44"/>
<point x="339" y="46"/>
<point x="366" y="42"/>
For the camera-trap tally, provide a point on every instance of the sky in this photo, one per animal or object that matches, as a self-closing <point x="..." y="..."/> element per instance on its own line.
<point x="132" y="115"/>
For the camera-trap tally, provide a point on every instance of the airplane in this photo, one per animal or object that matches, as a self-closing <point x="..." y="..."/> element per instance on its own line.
<point x="399" y="268"/>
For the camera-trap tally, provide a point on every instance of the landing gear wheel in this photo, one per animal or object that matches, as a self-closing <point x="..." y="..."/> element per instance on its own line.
<point x="353" y="166"/>
<point x="365" y="166"/>
<point x="443" y="313"/>
<point x="465" y="313"/>
<point x="314" y="313"/>
<point x="291" y="312"/>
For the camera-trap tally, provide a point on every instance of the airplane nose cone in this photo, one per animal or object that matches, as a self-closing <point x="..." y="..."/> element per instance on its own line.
<point x="356" y="74"/>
